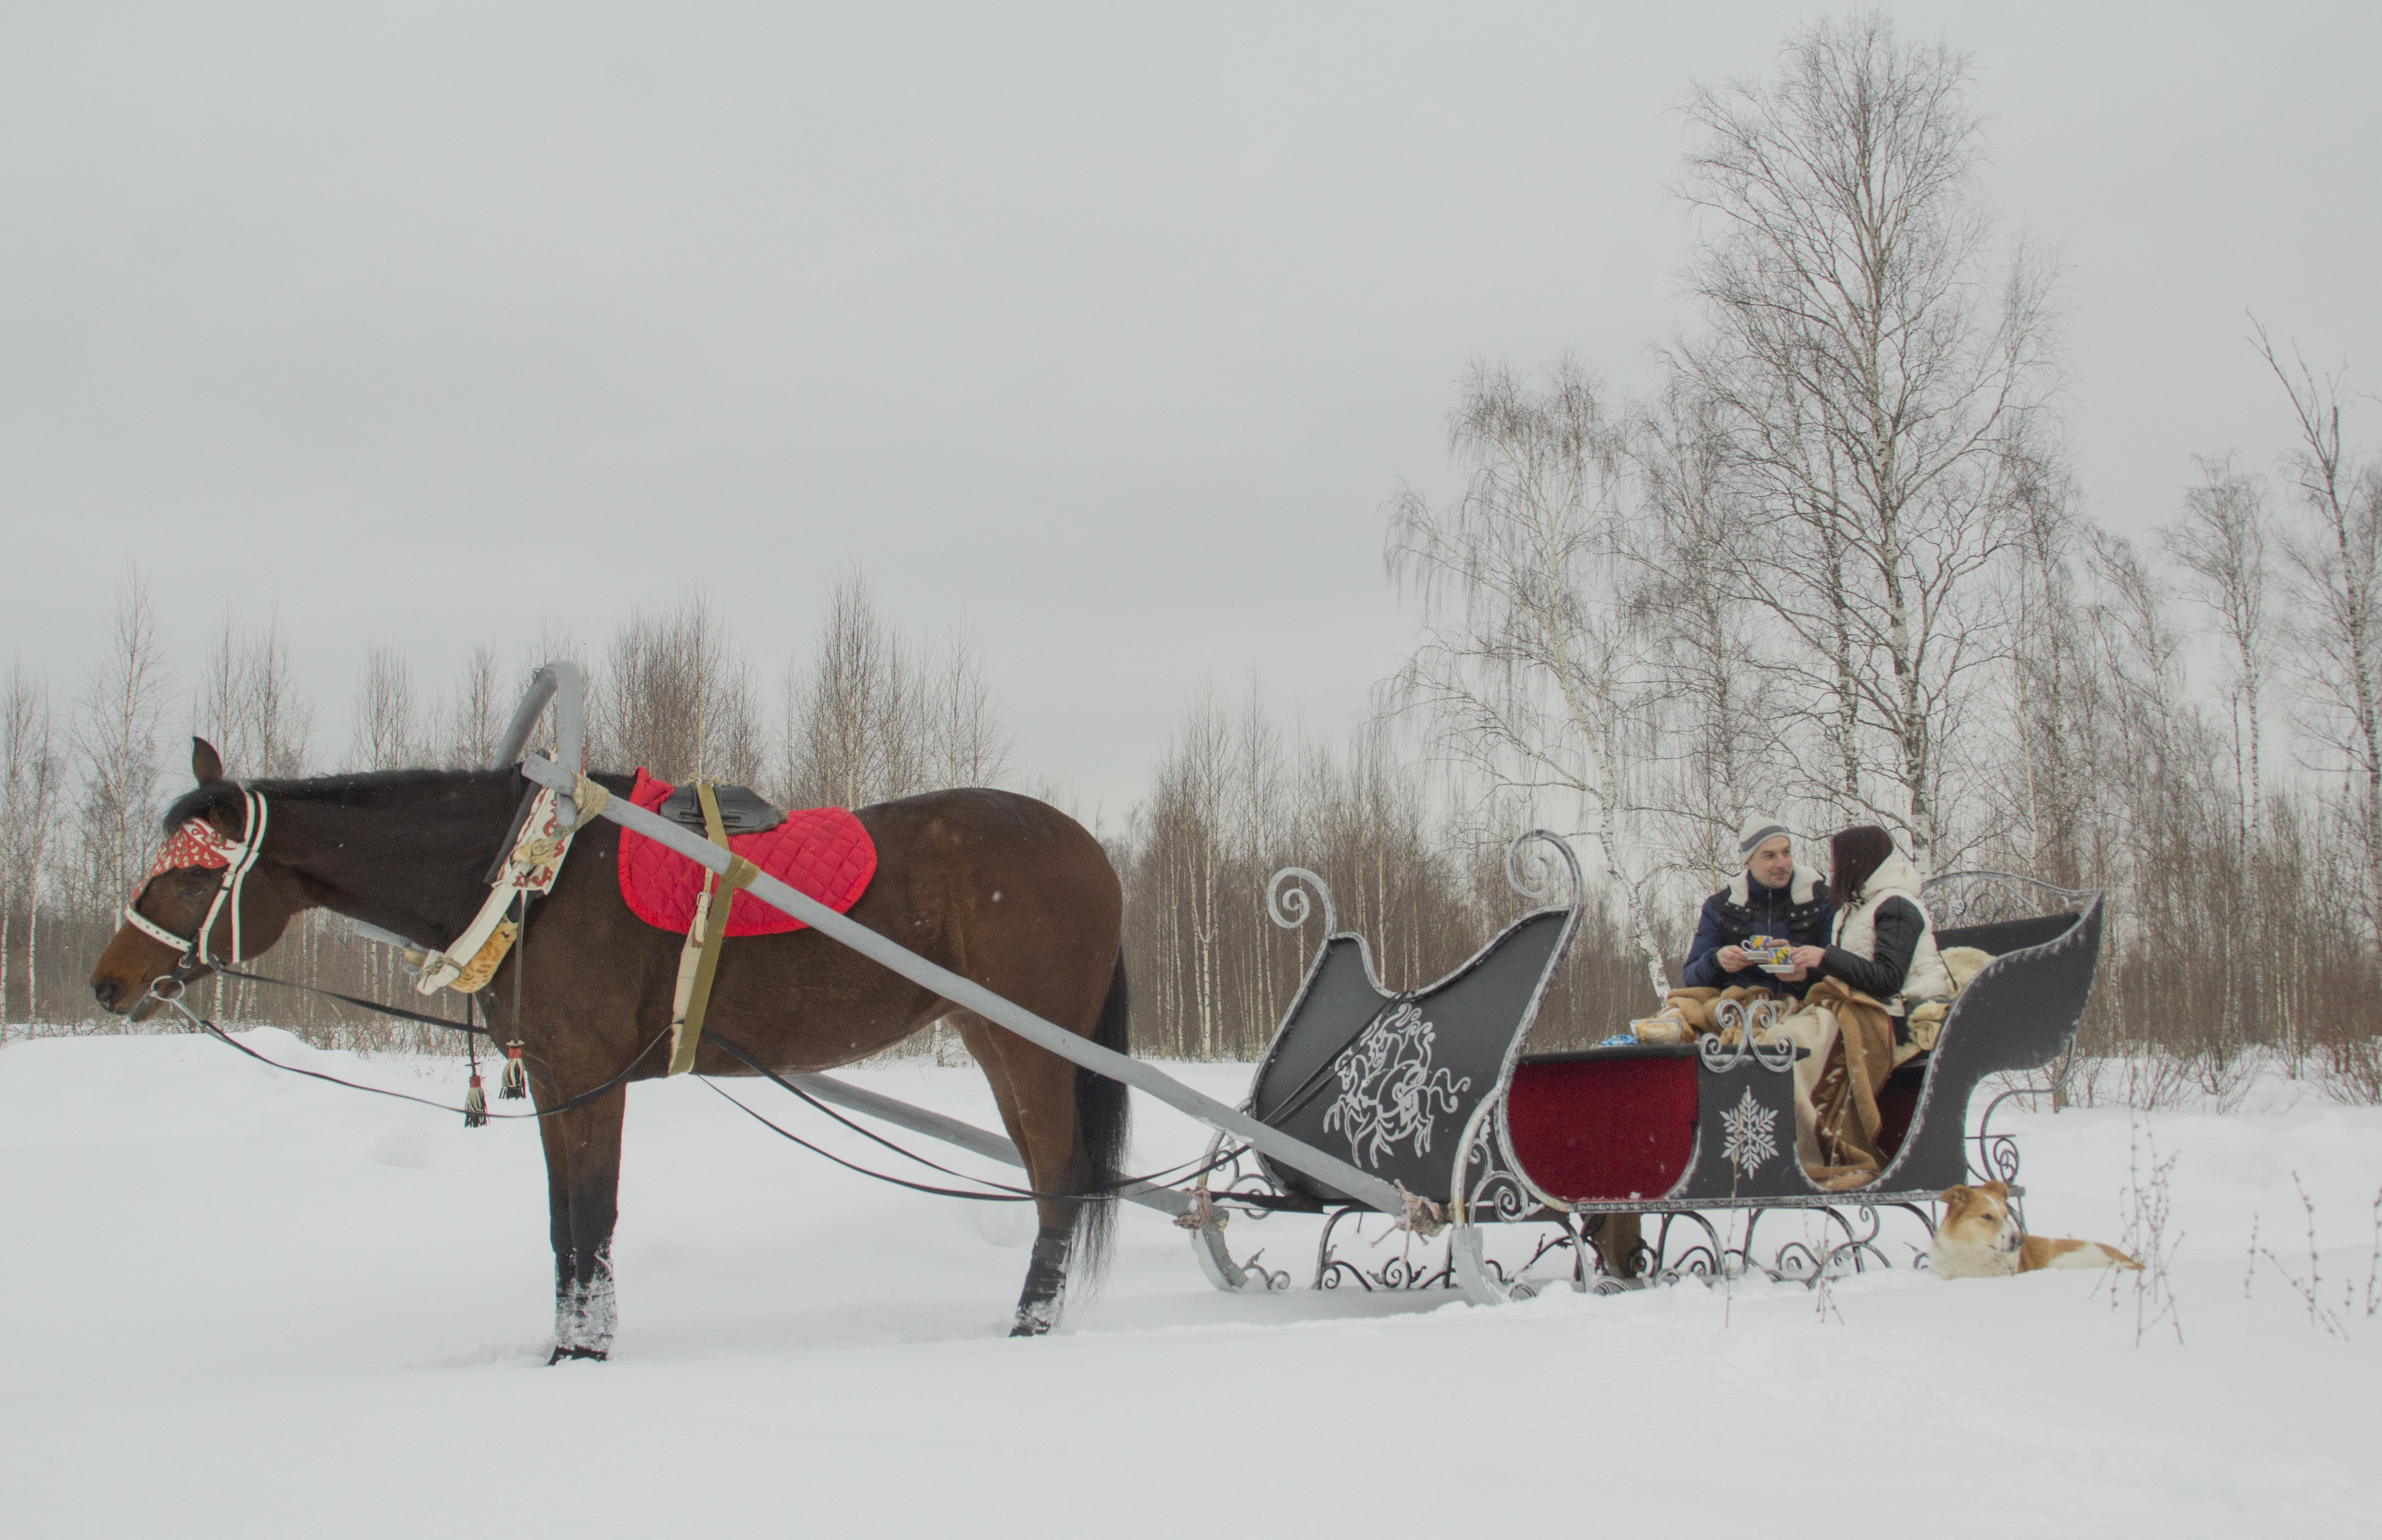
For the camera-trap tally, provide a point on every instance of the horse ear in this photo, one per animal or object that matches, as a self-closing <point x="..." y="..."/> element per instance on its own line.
<point x="205" y="763"/>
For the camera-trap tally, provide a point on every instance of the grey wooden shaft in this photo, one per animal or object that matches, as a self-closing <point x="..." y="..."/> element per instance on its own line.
<point x="967" y="1136"/>
<point x="1297" y="1155"/>
<point x="560" y="677"/>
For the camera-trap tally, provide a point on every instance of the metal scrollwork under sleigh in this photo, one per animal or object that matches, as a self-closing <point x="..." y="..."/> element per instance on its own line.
<point x="1431" y="1090"/>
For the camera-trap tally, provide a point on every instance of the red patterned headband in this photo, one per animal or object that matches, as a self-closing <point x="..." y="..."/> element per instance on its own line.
<point x="196" y="844"/>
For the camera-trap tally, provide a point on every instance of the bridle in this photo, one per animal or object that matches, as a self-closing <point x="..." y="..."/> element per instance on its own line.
<point x="197" y="844"/>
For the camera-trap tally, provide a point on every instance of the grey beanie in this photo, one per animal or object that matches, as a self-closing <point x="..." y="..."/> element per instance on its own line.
<point x="1756" y="828"/>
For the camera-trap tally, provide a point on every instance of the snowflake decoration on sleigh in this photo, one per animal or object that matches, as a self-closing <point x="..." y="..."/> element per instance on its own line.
<point x="1746" y="1137"/>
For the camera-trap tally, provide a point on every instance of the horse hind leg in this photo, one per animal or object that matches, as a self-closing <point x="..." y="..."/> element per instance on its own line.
<point x="1029" y="1101"/>
<point x="1071" y="1128"/>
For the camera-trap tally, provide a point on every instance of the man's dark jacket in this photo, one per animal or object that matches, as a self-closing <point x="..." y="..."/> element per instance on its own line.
<point x="1799" y="911"/>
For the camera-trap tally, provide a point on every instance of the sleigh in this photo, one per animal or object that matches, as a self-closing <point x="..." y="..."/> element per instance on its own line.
<point x="1431" y="1091"/>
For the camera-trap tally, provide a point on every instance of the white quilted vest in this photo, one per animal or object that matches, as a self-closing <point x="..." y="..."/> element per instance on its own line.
<point x="1856" y="928"/>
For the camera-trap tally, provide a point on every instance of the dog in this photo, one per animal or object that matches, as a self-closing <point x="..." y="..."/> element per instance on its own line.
<point x="1980" y="1239"/>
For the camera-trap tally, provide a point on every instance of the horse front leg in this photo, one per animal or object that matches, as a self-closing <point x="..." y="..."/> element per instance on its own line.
<point x="583" y="1173"/>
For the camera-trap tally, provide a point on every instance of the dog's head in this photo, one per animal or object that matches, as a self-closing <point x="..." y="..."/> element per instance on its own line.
<point x="1979" y="1216"/>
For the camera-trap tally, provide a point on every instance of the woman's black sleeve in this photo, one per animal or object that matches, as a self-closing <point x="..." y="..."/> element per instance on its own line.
<point x="1899" y="925"/>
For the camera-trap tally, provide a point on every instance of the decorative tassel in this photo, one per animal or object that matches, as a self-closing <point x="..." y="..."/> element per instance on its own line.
<point x="475" y="1106"/>
<point x="514" y="1084"/>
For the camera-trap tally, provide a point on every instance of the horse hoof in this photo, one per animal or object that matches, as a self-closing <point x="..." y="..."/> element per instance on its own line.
<point x="561" y="1352"/>
<point x="1030" y="1326"/>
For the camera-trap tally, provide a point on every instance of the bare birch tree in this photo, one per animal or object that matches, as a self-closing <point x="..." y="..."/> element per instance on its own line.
<point x="248" y="704"/>
<point x="1714" y="754"/>
<point x="476" y="714"/>
<point x="115" y="742"/>
<point x="1532" y="666"/>
<point x="1873" y="377"/>
<point x="29" y="790"/>
<point x="387" y="732"/>
<point x="2220" y="542"/>
<point x="2335" y="561"/>
<point x="678" y="699"/>
<point x="970" y="748"/>
<point x="844" y="714"/>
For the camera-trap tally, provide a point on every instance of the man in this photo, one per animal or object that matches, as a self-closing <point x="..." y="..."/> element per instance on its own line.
<point x="1773" y="896"/>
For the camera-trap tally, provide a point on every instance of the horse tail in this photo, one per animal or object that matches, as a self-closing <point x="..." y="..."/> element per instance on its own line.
<point x="1103" y="1120"/>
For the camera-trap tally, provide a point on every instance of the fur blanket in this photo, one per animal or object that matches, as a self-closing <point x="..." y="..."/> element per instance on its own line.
<point x="1853" y="1052"/>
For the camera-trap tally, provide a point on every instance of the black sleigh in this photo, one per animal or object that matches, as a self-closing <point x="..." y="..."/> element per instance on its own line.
<point x="1432" y="1091"/>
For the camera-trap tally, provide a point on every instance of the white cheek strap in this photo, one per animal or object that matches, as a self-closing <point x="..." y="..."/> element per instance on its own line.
<point x="243" y="854"/>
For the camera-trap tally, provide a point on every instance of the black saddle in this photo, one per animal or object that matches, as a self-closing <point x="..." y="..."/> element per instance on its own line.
<point x="742" y="810"/>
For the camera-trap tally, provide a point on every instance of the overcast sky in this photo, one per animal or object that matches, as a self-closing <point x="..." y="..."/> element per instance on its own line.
<point x="1107" y="331"/>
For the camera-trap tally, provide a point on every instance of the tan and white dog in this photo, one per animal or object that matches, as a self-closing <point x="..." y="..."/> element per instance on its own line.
<point x="1980" y="1239"/>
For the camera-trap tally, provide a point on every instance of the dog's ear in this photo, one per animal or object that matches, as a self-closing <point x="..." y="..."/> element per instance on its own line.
<point x="1999" y="1190"/>
<point x="1952" y="1197"/>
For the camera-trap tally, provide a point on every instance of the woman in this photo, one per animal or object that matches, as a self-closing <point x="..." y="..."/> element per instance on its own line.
<point x="1881" y="959"/>
<point x="1882" y="943"/>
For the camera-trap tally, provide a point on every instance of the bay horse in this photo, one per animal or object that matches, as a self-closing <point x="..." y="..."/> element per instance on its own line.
<point x="1000" y="889"/>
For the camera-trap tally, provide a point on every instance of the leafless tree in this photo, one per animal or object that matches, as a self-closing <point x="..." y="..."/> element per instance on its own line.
<point x="29" y="789"/>
<point x="870" y="715"/>
<point x="2220" y="542"/>
<point x="970" y="748"/>
<point x="389" y="717"/>
<point x="846" y="715"/>
<point x="1714" y="749"/>
<point x="1533" y="667"/>
<point x="478" y="712"/>
<point x="1873" y="378"/>
<point x="2334" y="561"/>
<point x="678" y="699"/>
<point x="2046" y="786"/>
<point x="248" y="704"/>
<point x="115" y="741"/>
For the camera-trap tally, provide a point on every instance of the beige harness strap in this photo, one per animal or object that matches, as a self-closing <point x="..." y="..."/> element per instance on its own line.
<point x="699" y="961"/>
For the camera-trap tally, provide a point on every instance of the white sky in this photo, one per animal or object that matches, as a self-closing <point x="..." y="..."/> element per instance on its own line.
<point x="1106" y="330"/>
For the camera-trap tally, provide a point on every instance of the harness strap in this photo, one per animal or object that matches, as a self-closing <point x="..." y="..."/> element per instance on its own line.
<point x="530" y="866"/>
<point x="710" y="921"/>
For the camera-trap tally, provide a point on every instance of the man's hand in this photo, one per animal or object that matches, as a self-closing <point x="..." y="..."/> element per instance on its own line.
<point x="1732" y="959"/>
<point x="1805" y="958"/>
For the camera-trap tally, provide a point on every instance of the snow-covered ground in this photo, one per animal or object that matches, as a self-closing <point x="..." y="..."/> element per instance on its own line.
<point x="236" y="1302"/>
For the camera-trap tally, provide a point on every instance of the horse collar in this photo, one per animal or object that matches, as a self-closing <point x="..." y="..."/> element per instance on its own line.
<point x="197" y="844"/>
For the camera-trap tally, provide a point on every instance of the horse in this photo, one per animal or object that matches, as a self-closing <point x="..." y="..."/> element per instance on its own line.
<point x="1003" y="890"/>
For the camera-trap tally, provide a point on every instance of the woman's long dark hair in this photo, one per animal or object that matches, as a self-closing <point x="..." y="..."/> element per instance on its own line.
<point x="1855" y="855"/>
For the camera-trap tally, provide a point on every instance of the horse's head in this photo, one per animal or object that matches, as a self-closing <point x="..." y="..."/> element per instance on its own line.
<point x="210" y="892"/>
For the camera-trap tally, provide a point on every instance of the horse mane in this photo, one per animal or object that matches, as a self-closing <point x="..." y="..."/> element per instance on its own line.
<point x="350" y="788"/>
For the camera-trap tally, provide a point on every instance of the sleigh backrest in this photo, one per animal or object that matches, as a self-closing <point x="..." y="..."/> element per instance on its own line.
<point x="2019" y="1012"/>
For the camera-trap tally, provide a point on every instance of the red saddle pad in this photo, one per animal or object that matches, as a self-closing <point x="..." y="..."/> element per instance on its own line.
<point x="822" y="852"/>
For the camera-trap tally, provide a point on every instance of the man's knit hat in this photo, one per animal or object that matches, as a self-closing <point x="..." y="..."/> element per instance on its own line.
<point x="1756" y="828"/>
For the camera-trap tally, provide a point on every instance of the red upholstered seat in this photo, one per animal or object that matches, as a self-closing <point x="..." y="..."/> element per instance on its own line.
<point x="822" y="852"/>
<point x="1603" y="1132"/>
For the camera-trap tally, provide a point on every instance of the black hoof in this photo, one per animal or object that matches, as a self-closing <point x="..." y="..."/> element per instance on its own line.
<point x="561" y="1352"/>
